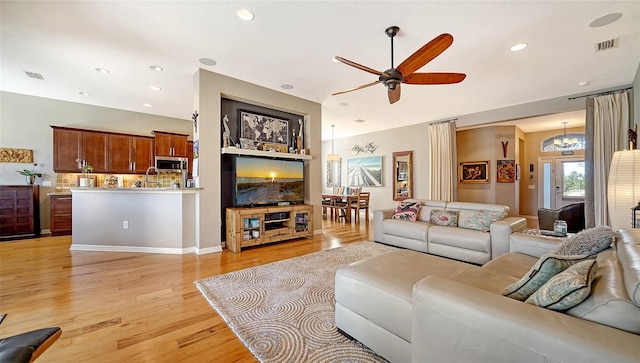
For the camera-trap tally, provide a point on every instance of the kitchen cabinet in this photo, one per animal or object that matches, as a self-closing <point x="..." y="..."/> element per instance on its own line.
<point x="71" y="146"/>
<point x="169" y="144"/>
<point x="130" y="154"/>
<point x="19" y="211"/>
<point x="60" y="214"/>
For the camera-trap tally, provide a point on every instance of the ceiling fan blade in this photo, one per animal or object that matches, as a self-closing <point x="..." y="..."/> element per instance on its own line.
<point x="426" y="54"/>
<point x="434" y="78"/>
<point x="357" y="88"/>
<point x="394" y="95"/>
<point x="359" y="66"/>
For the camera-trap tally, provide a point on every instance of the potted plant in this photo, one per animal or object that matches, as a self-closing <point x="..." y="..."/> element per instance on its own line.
<point x="85" y="180"/>
<point x="30" y="175"/>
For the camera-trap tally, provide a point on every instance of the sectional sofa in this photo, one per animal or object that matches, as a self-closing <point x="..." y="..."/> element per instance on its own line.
<point x="412" y="306"/>
<point x="465" y="244"/>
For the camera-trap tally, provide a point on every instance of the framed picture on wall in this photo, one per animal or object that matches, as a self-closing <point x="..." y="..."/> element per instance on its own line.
<point x="263" y="128"/>
<point x="365" y="172"/>
<point x="506" y="170"/>
<point x="474" y="172"/>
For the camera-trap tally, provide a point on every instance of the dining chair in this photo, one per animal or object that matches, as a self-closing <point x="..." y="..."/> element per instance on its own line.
<point x="343" y="205"/>
<point x="362" y="203"/>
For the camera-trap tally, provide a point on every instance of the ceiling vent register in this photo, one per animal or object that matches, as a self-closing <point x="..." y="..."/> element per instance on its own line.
<point x="34" y="75"/>
<point x="606" y="45"/>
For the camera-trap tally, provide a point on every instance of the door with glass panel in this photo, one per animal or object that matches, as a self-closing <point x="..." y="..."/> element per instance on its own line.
<point x="561" y="181"/>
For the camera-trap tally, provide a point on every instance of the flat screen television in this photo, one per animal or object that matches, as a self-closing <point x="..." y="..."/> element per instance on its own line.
<point x="264" y="181"/>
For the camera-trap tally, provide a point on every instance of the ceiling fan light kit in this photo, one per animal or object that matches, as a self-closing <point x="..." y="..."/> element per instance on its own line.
<point x="406" y="72"/>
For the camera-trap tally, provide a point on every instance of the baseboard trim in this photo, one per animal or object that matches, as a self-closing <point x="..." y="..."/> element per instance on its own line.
<point x="104" y="248"/>
<point x="204" y="251"/>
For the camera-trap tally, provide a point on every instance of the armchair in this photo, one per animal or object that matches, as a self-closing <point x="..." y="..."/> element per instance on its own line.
<point x="573" y="214"/>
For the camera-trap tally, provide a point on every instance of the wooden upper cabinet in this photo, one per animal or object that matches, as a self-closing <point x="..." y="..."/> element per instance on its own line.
<point x="67" y="150"/>
<point x="142" y="153"/>
<point x="96" y="151"/>
<point x="168" y="144"/>
<point x="130" y="154"/>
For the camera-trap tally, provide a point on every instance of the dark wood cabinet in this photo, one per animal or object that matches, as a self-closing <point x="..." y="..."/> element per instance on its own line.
<point x="60" y="214"/>
<point x="130" y="154"/>
<point x="19" y="211"/>
<point x="72" y="146"/>
<point x="168" y="144"/>
<point x="67" y="149"/>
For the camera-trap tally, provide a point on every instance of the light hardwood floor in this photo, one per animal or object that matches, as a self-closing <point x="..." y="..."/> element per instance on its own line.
<point x="134" y="307"/>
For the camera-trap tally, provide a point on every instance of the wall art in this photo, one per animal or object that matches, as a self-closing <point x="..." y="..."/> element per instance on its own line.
<point x="506" y="171"/>
<point x="333" y="174"/>
<point x="365" y="172"/>
<point x="474" y="172"/>
<point x="9" y="155"/>
<point x="262" y="128"/>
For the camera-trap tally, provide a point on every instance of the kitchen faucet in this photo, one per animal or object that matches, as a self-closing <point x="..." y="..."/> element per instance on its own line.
<point x="146" y="176"/>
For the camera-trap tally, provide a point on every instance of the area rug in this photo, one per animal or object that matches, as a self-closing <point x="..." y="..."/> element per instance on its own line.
<point x="284" y="311"/>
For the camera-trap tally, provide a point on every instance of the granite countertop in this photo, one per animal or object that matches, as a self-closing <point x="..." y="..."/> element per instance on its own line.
<point x="61" y="191"/>
<point x="141" y="190"/>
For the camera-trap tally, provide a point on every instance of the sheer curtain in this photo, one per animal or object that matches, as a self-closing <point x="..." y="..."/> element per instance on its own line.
<point x="606" y="129"/>
<point x="442" y="157"/>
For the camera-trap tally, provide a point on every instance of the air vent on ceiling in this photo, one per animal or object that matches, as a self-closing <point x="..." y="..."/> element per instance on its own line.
<point x="34" y="75"/>
<point x="606" y="45"/>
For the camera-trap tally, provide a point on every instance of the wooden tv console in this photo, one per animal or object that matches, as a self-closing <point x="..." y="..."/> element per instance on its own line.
<point x="260" y="225"/>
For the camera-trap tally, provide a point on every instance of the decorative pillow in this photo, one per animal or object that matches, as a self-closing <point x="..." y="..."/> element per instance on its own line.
<point x="566" y="289"/>
<point x="443" y="218"/>
<point x="481" y="220"/>
<point x="547" y="266"/>
<point x="588" y="242"/>
<point x="407" y="210"/>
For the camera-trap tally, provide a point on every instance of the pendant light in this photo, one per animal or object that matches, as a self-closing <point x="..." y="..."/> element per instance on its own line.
<point x="566" y="142"/>
<point x="333" y="156"/>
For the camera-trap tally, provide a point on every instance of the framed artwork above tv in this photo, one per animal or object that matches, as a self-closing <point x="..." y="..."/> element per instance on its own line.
<point x="263" y="128"/>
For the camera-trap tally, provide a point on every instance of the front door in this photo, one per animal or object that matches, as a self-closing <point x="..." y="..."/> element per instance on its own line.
<point x="561" y="181"/>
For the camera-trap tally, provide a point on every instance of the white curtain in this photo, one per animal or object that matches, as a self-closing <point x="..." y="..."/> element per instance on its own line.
<point x="610" y="125"/>
<point x="442" y="157"/>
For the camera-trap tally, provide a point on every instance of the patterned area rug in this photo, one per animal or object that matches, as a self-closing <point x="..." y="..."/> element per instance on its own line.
<point x="284" y="311"/>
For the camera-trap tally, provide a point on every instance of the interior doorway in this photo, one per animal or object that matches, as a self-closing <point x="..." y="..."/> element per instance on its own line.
<point x="561" y="181"/>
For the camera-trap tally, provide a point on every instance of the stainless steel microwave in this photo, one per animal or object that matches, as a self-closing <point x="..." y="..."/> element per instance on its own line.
<point x="172" y="164"/>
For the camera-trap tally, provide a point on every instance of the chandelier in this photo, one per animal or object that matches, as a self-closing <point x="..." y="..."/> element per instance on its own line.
<point x="565" y="142"/>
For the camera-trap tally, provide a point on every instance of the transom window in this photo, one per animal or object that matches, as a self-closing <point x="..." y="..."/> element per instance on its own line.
<point x="562" y="142"/>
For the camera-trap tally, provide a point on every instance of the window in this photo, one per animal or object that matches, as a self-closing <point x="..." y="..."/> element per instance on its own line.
<point x="562" y="142"/>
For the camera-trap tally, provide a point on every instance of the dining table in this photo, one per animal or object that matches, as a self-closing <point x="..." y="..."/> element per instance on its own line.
<point x="335" y="198"/>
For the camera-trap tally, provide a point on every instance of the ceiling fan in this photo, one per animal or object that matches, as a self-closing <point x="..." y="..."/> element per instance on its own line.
<point x="406" y="71"/>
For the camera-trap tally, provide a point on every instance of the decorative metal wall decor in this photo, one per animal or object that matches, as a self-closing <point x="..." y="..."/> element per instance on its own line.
<point x="368" y="148"/>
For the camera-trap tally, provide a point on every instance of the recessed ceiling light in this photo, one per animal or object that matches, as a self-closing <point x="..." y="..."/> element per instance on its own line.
<point x="583" y="83"/>
<point x="359" y="120"/>
<point x="335" y="60"/>
<point x="605" y="20"/>
<point x="84" y="93"/>
<point x="245" y="14"/>
<point x="344" y="104"/>
<point x="207" y="61"/>
<point x="155" y="88"/>
<point x="103" y="70"/>
<point x="519" y="46"/>
<point x="146" y="104"/>
<point x="286" y="86"/>
<point x="157" y="68"/>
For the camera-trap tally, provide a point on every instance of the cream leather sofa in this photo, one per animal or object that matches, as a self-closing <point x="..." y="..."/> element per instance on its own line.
<point x="415" y="307"/>
<point x="459" y="243"/>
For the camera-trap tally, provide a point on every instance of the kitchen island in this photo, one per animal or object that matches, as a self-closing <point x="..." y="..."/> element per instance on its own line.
<point x="155" y="220"/>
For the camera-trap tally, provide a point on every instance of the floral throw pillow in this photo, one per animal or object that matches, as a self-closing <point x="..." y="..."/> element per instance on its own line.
<point x="443" y="218"/>
<point x="407" y="211"/>
<point x="481" y="220"/>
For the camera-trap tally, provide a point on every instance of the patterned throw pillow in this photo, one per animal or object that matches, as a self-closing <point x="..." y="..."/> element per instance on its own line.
<point x="547" y="266"/>
<point x="588" y="242"/>
<point x="407" y="210"/>
<point x="566" y="289"/>
<point x="481" y="220"/>
<point x="443" y="218"/>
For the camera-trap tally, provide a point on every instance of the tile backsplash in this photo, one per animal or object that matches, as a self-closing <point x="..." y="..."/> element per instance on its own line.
<point x="165" y="180"/>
